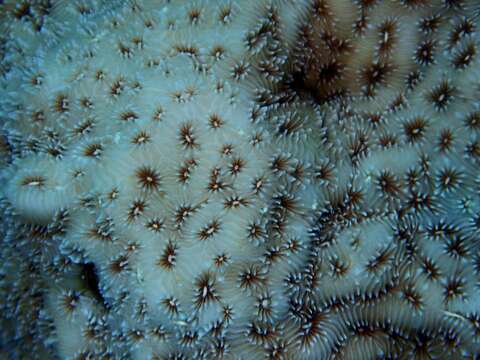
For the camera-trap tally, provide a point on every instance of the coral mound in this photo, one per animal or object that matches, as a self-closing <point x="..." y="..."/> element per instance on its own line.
<point x="240" y="180"/>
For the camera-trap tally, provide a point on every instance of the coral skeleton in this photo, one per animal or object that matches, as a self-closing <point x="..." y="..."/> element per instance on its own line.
<point x="226" y="179"/>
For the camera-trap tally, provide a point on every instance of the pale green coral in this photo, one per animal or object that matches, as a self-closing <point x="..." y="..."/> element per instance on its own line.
<point x="216" y="179"/>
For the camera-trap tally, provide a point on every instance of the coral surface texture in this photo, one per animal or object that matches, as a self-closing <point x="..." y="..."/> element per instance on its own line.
<point x="240" y="179"/>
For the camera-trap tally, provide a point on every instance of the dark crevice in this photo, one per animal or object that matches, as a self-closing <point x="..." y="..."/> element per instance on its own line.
<point x="91" y="282"/>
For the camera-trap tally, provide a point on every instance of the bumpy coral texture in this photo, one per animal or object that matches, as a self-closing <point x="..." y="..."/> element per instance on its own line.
<point x="240" y="179"/>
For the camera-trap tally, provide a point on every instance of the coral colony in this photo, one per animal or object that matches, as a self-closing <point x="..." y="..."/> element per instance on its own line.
<point x="255" y="179"/>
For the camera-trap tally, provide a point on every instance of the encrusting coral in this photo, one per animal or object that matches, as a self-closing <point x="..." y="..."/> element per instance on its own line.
<point x="240" y="180"/>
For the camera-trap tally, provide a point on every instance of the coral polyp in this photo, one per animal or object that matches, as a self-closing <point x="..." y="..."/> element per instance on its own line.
<point x="240" y="180"/>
